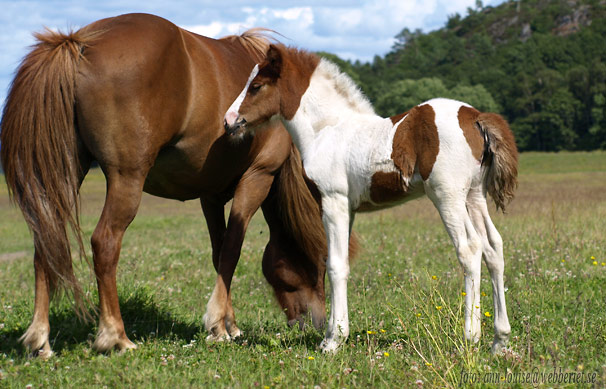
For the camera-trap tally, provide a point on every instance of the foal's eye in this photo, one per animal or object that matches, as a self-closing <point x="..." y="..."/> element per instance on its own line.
<point x="255" y="87"/>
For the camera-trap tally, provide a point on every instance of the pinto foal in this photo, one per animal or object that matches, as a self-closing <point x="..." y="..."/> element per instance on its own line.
<point x="362" y="162"/>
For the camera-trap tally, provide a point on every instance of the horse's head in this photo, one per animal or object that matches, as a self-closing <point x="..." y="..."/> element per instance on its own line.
<point x="259" y="101"/>
<point x="298" y="283"/>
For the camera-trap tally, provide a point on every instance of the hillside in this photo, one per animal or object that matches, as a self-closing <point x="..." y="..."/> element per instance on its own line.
<point x="541" y="64"/>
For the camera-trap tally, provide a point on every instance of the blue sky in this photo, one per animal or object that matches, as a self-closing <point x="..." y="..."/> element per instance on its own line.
<point x="352" y="29"/>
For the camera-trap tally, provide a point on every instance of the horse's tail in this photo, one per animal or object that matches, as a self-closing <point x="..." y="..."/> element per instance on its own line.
<point x="40" y="153"/>
<point x="301" y="209"/>
<point x="500" y="157"/>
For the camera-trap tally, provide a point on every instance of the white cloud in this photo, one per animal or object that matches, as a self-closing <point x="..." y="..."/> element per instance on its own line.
<point x="352" y="29"/>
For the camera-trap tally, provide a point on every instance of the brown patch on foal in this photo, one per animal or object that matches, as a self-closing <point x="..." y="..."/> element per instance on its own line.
<point x="468" y="122"/>
<point x="416" y="141"/>
<point x="395" y="119"/>
<point x="295" y="74"/>
<point x="386" y="187"/>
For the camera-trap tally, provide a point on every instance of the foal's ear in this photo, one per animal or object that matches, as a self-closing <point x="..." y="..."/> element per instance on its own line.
<point x="274" y="61"/>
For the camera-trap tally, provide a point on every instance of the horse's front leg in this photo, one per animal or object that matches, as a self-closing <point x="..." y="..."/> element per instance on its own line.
<point x="219" y="318"/>
<point x="336" y="217"/>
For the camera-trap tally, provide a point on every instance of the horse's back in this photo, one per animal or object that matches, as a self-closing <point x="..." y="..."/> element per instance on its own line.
<point x="133" y="84"/>
<point x="150" y="97"/>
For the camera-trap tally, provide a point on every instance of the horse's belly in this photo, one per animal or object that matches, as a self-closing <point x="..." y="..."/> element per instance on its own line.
<point x="173" y="177"/>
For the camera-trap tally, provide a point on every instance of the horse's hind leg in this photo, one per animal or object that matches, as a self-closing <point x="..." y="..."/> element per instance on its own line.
<point x="121" y="204"/>
<point x="468" y="247"/>
<point x="492" y="248"/>
<point x="36" y="336"/>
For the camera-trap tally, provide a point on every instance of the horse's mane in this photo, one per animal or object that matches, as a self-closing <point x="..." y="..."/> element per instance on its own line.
<point x="255" y="40"/>
<point x="346" y="87"/>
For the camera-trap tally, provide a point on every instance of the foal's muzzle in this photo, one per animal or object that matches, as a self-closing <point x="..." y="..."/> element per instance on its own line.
<point x="232" y="129"/>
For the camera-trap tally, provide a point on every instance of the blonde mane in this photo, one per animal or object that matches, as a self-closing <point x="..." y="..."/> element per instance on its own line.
<point x="255" y="40"/>
<point x="346" y="87"/>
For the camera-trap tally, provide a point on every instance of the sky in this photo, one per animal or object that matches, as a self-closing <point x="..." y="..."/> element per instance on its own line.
<point x="352" y="29"/>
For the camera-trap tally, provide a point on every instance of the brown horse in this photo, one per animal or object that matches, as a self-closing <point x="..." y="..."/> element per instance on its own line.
<point x="145" y="99"/>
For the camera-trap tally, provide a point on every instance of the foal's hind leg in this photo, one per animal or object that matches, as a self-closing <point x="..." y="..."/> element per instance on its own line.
<point x="469" y="252"/>
<point x="121" y="204"/>
<point x="492" y="248"/>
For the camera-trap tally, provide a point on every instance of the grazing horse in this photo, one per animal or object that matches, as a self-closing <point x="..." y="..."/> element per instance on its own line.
<point x="362" y="162"/>
<point x="145" y="99"/>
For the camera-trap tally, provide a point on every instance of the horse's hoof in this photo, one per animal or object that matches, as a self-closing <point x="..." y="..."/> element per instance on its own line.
<point x="43" y="354"/>
<point x="218" y="338"/>
<point x="235" y="332"/>
<point x="126" y="346"/>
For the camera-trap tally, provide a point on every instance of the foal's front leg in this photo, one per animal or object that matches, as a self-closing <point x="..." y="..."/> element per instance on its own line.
<point x="336" y="216"/>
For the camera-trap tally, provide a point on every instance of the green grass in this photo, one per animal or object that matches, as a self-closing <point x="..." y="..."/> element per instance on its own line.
<point x="406" y="326"/>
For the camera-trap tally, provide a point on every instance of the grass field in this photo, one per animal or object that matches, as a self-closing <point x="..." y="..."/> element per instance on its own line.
<point x="405" y="298"/>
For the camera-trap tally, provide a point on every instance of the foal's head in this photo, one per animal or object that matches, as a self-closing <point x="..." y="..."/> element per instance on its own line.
<point x="274" y="89"/>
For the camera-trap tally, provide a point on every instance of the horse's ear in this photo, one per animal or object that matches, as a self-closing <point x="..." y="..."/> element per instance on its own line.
<point x="274" y="61"/>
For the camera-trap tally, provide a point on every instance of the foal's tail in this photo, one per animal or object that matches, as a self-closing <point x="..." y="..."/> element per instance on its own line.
<point x="501" y="158"/>
<point x="40" y="152"/>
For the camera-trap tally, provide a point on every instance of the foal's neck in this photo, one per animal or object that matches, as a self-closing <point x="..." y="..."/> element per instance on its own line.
<point x="332" y="100"/>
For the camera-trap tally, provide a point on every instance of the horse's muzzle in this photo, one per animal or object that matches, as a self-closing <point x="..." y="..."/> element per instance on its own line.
<point x="232" y="129"/>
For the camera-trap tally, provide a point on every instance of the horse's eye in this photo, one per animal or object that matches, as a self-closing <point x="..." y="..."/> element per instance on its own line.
<point x="255" y="87"/>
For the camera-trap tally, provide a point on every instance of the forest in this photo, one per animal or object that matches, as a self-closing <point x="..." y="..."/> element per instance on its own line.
<point x="539" y="63"/>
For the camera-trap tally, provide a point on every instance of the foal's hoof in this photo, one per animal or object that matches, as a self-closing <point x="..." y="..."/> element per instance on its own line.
<point x="499" y="345"/>
<point x="329" y="346"/>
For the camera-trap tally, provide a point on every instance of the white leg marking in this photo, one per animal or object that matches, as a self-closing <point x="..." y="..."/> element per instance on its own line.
<point x="36" y="338"/>
<point x="214" y="318"/>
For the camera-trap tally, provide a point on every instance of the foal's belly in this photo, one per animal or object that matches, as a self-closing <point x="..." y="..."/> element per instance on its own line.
<point x="414" y="190"/>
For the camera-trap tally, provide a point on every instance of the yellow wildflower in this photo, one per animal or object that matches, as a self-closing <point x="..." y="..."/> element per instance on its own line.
<point x="595" y="263"/>
<point x="311" y="358"/>
<point x="487" y="314"/>
<point x="463" y="294"/>
<point x="385" y="354"/>
<point x="427" y="364"/>
<point x="438" y="307"/>
<point x="369" y="332"/>
<point x="434" y="277"/>
<point x="382" y="331"/>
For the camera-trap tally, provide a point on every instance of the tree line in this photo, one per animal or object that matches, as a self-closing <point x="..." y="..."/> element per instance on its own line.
<point x="540" y="63"/>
